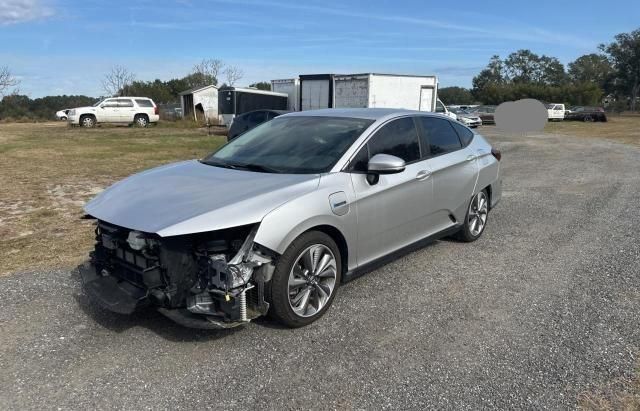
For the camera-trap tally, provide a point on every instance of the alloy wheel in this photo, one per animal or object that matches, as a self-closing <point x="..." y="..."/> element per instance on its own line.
<point x="312" y="280"/>
<point x="478" y="211"/>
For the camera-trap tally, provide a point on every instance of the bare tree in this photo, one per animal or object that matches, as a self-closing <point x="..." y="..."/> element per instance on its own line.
<point x="7" y="80"/>
<point x="233" y="74"/>
<point x="116" y="81"/>
<point x="209" y="68"/>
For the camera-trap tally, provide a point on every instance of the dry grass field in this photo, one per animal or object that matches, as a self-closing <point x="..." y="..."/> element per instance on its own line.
<point x="48" y="171"/>
<point x="621" y="128"/>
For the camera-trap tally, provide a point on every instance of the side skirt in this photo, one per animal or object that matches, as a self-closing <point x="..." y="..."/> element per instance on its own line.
<point x="379" y="262"/>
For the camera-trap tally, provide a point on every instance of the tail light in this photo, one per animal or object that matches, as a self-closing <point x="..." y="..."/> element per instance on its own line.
<point x="156" y="110"/>
<point x="496" y="153"/>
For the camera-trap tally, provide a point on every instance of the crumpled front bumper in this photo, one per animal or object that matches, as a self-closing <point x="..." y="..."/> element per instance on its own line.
<point x="123" y="297"/>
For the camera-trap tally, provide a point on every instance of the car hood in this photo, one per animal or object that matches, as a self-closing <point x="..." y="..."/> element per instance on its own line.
<point x="468" y="115"/>
<point x="190" y="197"/>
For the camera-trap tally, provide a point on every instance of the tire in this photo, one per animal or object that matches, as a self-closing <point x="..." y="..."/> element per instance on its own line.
<point x="470" y="231"/>
<point x="587" y="119"/>
<point x="298" y="296"/>
<point x="141" y="120"/>
<point x="88" y="121"/>
<point x="63" y="119"/>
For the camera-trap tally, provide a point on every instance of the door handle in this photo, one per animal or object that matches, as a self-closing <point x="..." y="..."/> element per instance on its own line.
<point x="423" y="175"/>
<point x="471" y="157"/>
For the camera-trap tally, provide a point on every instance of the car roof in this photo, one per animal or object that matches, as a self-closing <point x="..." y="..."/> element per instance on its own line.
<point x="279" y="112"/>
<point x="364" y="113"/>
<point x="139" y="98"/>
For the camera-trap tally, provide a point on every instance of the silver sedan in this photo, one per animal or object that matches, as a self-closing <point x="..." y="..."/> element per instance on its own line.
<point x="274" y="221"/>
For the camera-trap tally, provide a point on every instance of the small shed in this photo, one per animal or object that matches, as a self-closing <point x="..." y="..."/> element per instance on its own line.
<point x="200" y="103"/>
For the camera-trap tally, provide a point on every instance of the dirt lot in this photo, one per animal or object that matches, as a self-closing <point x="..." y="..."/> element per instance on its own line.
<point x="542" y="312"/>
<point x="48" y="171"/>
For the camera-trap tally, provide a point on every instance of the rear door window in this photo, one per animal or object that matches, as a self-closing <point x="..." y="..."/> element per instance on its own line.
<point x="464" y="133"/>
<point x="256" y="117"/>
<point x="439" y="135"/>
<point x="144" y="103"/>
<point x="125" y="102"/>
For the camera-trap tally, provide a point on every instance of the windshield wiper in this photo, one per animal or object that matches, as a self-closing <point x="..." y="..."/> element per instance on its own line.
<point x="219" y="164"/>
<point x="258" y="167"/>
<point x="238" y="166"/>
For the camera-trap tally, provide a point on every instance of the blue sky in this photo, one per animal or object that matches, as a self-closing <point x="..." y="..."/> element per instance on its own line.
<point x="66" y="46"/>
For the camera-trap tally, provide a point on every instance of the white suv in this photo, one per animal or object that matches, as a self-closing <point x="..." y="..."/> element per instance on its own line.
<point x="124" y="110"/>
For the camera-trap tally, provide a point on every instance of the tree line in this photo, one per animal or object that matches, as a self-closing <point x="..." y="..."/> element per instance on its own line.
<point x="614" y="72"/>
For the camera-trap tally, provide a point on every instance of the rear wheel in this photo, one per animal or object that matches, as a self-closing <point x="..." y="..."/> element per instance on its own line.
<point x="476" y="219"/>
<point x="305" y="281"/>
<point x="141" y="120"/>
<point x="588" y="119"/>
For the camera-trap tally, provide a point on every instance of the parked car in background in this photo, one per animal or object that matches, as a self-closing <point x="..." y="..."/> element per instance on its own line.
<point x="441" y="108"/>
<point x="277" y="219"/>
<point x="555" y="112"/>
<point x="247" y="121"/>
<point x="62" y="114"/>
<point x="585" y="113"/>
<point x="486" y="113"/>
<point x="140" y="111"/>
<point x="466" y="118"/>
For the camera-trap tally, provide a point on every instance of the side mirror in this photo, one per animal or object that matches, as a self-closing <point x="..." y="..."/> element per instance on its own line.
<point x="383" y="164"/>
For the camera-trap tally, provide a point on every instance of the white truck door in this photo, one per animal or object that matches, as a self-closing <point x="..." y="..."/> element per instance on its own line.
<point x="427" y="94"/>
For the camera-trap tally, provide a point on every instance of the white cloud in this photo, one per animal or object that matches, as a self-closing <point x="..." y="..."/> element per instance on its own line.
<point x="18" y="11"/>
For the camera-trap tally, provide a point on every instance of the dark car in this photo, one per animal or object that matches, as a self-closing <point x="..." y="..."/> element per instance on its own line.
<point x="585" y="113"/>
<point x="485" y="113"/>
<point x="247" y="121"/>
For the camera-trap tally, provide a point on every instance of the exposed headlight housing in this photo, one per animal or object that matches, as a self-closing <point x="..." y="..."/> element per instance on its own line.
<point x="136" y="240"/>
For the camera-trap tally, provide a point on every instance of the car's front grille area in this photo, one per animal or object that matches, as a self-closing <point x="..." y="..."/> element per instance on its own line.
<point x="136" y="267"/>
<point x="131" y="266"/>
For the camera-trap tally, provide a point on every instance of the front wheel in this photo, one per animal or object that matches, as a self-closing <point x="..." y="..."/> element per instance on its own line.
<point x="476" y="219"/>
<point x="88" y="121"/>
<point x="305" y="280"/>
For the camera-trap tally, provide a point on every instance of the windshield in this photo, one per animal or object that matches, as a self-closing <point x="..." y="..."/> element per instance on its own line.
<point x="297" y="145"/>
<point x="98" y="103"/>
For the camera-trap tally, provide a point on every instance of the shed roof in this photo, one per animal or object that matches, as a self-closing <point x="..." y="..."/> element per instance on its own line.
<point x="196" y="89"/>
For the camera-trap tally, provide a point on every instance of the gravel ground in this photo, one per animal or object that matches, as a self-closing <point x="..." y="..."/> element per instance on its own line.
<point x="544" y="307"/>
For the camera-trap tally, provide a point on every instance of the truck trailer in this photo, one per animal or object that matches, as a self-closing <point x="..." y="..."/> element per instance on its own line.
<point x="385" y="90"/>
<point x="290" y="87"/>
<point x="317" y="91"/>
<point x="233" y="101"/>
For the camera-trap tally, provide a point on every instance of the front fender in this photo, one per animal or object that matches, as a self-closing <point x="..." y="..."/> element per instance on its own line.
<point x="281" y="226"/>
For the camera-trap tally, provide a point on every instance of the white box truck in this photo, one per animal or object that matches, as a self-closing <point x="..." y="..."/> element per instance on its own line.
<point x="385" y="90"/>
<point x="317" y="91"/>
<point x="290" y="87"/>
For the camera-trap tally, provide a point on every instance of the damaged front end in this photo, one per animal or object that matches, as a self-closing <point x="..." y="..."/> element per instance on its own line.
<point x="204" y="280"/>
